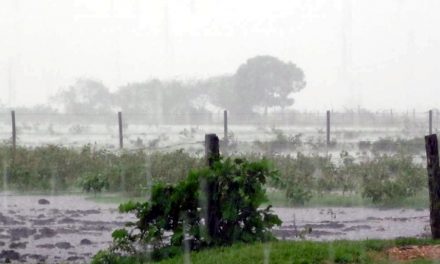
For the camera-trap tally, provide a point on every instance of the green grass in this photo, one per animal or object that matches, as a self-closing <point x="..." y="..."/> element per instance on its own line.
<point x="371" y="251"/>
<point x="420" y="200"/>
<point x="301" y="252"/>
<point x="277" y="198"/>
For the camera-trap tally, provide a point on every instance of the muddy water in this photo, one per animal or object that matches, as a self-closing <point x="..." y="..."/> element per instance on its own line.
<point x="55" y="229"/>
<point x="351" y="223"/>
<point x="70" y="229"/>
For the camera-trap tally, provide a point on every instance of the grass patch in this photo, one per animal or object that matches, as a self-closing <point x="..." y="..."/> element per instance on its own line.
<point x="420" y="200"/>
<point x="277" y="198"/>
<point x="370" y="251"/>
<point x="301" y="252"/>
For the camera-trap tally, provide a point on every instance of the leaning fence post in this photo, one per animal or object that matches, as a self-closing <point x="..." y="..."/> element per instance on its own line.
<point x="212" y="149"/>
<point x="121" y="136"/>
<point x="14" y="131"/>
<point x="430" y="122"/>
<point x="432" y="159"/>
<point x="328" y="128"/>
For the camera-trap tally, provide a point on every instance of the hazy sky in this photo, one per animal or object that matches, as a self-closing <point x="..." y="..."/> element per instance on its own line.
<point x="377" y="54"/>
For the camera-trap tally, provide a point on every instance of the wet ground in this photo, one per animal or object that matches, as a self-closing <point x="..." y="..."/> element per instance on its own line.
<point x="351" y="223"/>
<point x="71" y="229"/>
<point x="55" y="229"/>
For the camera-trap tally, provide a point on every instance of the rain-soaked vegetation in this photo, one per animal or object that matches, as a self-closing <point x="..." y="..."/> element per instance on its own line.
<point x="381" y="178"/>
<point x="162" y="194"/>
<point x="203" y="131"/>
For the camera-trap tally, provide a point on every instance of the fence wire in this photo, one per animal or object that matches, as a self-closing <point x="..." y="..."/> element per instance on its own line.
<point x="168" y="130"/>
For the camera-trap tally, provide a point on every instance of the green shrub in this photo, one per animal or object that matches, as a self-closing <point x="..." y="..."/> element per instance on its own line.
<point x="107" y="257"/>
<point x="296" y="177"/>
<point x="301" y="175"/>
<point x="174" y="166"/>
<point x="297" y="194"/>
<point x="414" y="145"/>
<point x="57" y="168"/>
<point x="382" y="178"/>
<point x="347" y="173"/>
<point x="325" y="175"/>
<point x="387" y="179"/>
<point x="93" y="183"/>
<point x="281" y="142"/>
<point x="211" y="207"/>
<point x="128" y="173"/>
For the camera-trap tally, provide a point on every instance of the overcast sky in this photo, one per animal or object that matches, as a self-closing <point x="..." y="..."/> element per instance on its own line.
<point x="377" y="54"/>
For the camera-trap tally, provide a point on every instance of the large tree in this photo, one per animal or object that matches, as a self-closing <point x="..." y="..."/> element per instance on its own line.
<point x="140" y="97"/>
<point x="157" y="97"/>
<point x="266" y="81"/>
<point x="85" y="96"/>
<point x="220" y="90"/>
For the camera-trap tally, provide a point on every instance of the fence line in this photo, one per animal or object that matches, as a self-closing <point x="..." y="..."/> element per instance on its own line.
<point x="33" y="124"/>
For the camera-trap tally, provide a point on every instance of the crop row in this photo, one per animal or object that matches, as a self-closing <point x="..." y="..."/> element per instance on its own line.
<point x="380" y="177"/>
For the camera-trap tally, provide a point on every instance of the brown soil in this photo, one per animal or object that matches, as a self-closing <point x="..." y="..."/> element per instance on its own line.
<point x="406" y="253"/>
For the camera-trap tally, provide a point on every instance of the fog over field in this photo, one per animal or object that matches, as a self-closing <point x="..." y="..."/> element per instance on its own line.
<point x="354" y="53"/>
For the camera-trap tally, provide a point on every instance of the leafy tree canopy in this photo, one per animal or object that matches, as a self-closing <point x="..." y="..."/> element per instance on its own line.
<point x="266" y="81"/>
<point x="84" y="96"/>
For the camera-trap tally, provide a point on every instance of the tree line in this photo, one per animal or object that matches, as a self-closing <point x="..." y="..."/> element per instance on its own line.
<point x="259" y="83"/>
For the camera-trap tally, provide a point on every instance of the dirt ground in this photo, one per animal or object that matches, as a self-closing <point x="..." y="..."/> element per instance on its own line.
<point x="71" y="229"/>
<point x="407" y="253"/>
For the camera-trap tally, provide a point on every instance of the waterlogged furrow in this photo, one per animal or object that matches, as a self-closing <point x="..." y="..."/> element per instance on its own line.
<point x="55" y="229"/>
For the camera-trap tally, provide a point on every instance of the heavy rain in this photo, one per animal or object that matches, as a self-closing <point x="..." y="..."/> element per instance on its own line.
<point x="203" y="131"/>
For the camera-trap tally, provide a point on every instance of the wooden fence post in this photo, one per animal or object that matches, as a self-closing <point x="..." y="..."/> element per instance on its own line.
<point x="212" y="149"/>
<point x="430" y="122"/>
<point x="328" y="128"/>
<point x="432" y="158"/>
<point x="14" y="131"/>
<point x="121" y="136"/>
<point x="225" y="128"/>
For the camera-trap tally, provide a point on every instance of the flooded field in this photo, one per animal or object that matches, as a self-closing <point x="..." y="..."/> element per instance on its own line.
<point x="351" y="223"/>
<point x="71" y="229"/>
<point x="55" y="229"/>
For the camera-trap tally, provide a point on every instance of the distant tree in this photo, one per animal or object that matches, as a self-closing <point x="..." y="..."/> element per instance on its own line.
<point x="39" y="108"/>
<point x="266" y="81"/>
<point x="140" y="97"/>
<point x="220" y="90"/>
<point x="176" y="97"/>
<point x="85" y="95"/>
<point x="156" y="96"/>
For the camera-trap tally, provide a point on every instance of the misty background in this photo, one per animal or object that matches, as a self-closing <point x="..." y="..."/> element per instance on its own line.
<point x="370" y="54"/>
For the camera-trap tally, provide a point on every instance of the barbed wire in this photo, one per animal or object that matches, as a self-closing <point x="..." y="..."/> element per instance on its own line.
<point x="167" y="146"/>
<point x="349" y="112"/>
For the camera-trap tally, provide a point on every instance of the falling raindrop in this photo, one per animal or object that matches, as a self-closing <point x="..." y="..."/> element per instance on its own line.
<point x="53" y="180"/>
<point x="186" y="244"/>
<point x="266" y="252"/>
<point x="148" y="176"/>
<point x="5" y="184"/>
